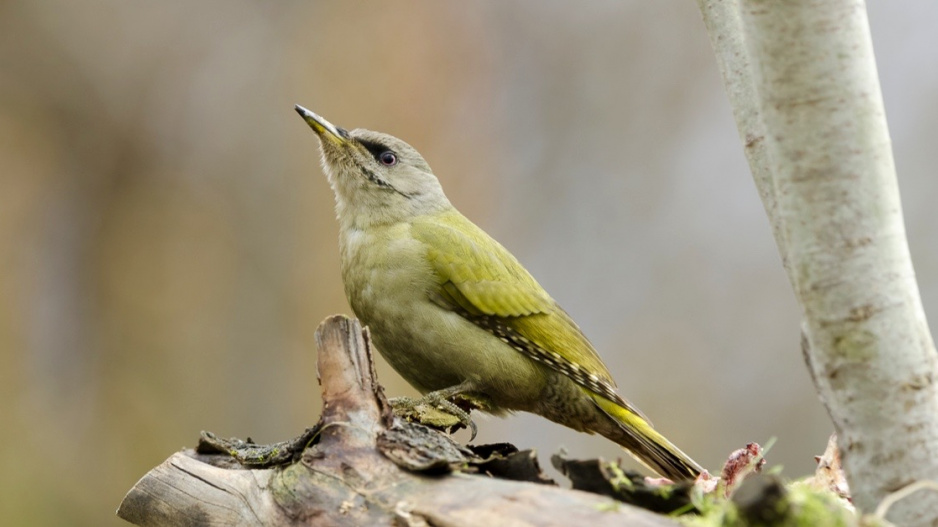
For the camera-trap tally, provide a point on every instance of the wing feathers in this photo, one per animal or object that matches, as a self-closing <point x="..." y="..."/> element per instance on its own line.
<point x="483" y="282"/>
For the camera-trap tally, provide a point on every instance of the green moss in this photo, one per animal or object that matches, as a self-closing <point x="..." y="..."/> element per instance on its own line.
<point x="619" y="480"/>
<point x="799" y="505"/>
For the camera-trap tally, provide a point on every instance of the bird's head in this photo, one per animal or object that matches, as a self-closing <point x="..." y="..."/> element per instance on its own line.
<point x="377" y="178"/>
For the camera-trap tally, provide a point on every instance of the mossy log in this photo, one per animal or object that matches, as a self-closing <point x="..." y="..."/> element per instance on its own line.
<point x="360" y="465"/>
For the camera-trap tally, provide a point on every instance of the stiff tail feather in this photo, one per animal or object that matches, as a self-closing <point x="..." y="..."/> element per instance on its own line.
<point x="645" y="444"/>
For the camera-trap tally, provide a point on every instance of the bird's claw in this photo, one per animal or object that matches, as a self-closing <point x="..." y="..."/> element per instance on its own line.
<point x="434" y="410"/>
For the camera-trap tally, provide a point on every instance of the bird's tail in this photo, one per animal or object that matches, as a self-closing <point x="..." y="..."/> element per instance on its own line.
<point x="645" y="444"/>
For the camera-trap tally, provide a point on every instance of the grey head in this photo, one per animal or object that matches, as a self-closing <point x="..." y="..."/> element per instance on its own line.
<point x="377" y="178"/>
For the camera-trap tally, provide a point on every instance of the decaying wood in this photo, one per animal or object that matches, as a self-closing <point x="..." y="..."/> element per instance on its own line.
<point x="361" y="466"/>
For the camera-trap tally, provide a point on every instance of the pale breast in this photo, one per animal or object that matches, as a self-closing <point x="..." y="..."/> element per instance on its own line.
<point x="382" y="269"/>
<point x="387" y="281"/>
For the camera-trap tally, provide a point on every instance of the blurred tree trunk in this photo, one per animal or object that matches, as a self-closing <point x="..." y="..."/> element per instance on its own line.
<point x="802" y="79"/>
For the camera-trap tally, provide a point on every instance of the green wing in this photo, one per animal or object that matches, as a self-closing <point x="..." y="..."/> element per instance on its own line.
<point x="477" y="275"/>
<point x="482" y="281"/>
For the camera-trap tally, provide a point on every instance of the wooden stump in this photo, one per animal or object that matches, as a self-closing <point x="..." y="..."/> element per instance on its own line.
<point x="359" y="466"/>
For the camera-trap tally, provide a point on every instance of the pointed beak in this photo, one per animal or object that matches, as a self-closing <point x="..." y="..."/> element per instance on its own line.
<point x="323" y="128"/>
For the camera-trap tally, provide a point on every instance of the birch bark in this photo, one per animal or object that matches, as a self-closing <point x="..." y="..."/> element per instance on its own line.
<point x="802" y="79"/>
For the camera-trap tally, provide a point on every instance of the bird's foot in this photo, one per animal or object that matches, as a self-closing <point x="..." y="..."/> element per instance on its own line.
<point x="436" y="411"/>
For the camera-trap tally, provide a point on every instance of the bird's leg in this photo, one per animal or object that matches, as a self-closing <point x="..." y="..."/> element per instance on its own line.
<point x="435" y="409"/>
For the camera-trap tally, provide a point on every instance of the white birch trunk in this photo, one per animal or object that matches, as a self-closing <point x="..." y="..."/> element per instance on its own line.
<point x="802" y="79"/>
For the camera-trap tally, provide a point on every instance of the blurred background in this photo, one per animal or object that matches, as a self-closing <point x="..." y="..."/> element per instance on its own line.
<point x="168" y="242"/>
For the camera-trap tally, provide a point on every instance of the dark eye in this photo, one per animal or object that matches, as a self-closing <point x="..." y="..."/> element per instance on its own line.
<point x="388" y="158"/>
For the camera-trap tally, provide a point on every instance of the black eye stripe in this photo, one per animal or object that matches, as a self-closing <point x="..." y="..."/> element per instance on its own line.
<point x="374" y="148"/>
